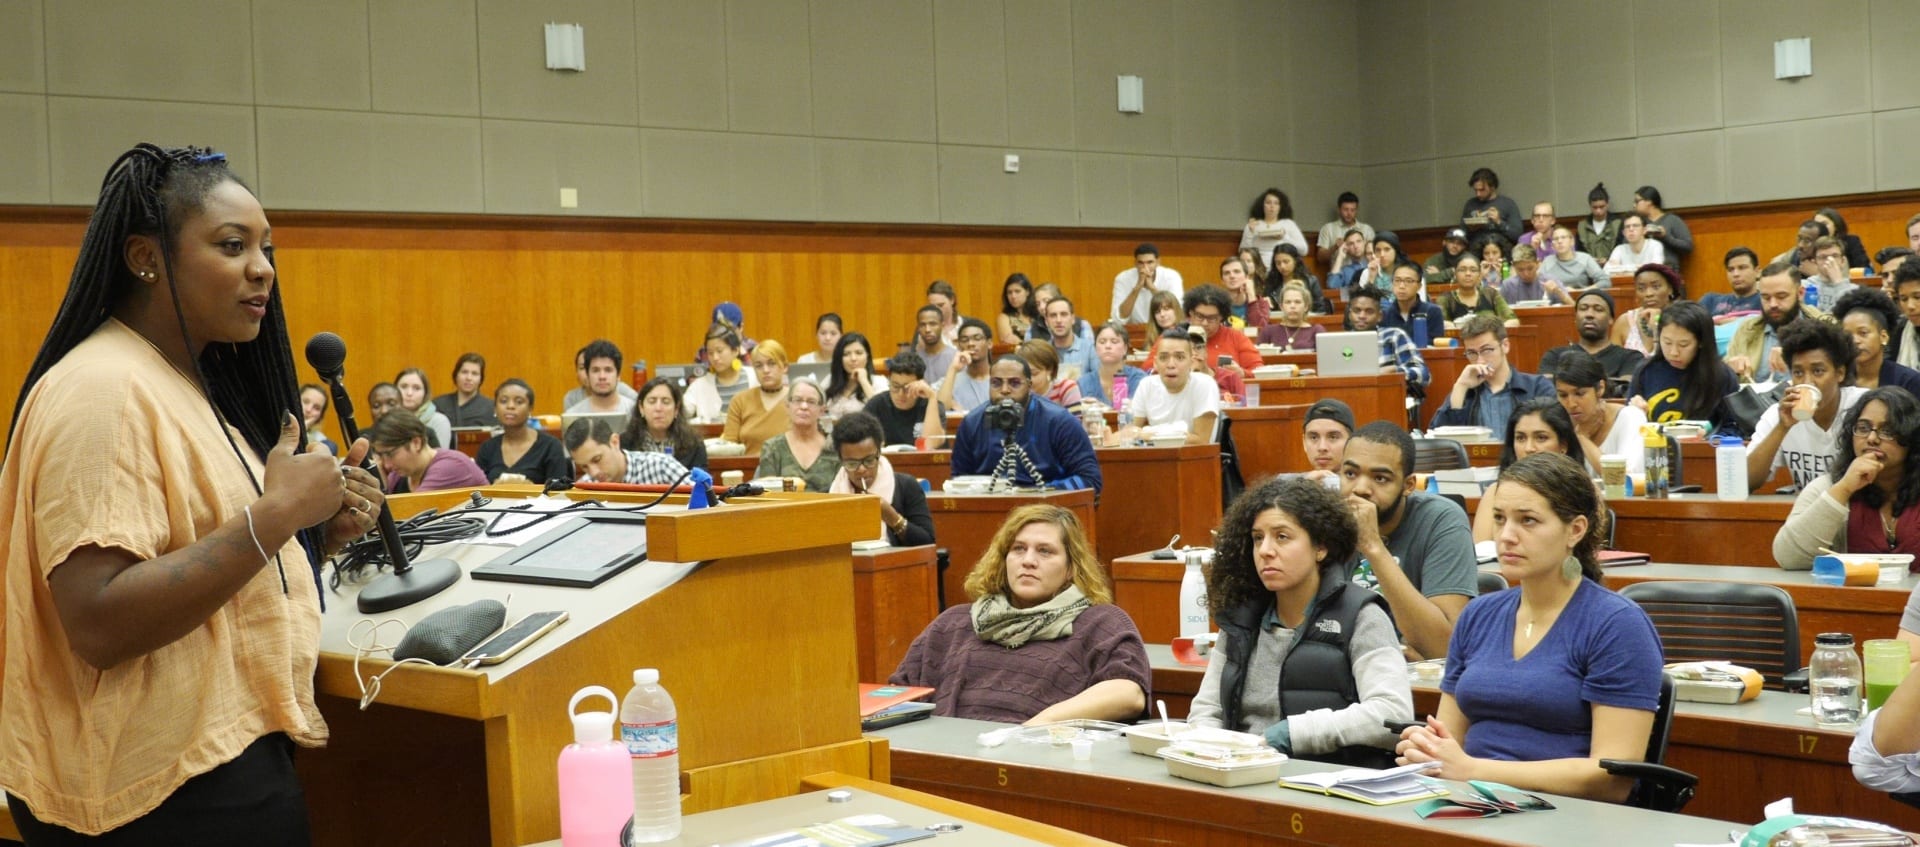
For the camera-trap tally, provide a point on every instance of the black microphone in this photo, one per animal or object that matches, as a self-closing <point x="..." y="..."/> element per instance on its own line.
<point x="410" y="582"/>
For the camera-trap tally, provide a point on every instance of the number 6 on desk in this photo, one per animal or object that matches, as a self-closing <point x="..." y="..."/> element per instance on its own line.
<point x="1299" y="823"/>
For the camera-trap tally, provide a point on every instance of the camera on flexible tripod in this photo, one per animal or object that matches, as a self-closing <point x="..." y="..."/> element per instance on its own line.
<point x="1005" y="416"/>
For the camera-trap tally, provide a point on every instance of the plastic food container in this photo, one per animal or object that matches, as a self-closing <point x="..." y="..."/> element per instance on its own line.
<point x="1227" y="767"/>
<point x="1147" y="738"/>
<point x="1861" y="569"/>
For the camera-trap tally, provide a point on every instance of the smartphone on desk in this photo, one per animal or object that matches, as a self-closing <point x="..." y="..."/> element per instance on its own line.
<point x="513" y="639"/>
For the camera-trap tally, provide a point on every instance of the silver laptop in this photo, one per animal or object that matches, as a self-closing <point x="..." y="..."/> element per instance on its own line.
<point x="819" y="372"/>
<point x="1347" y="353"/>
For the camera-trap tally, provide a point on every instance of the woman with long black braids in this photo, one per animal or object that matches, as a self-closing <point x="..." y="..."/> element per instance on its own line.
<point x="161" y="601"/>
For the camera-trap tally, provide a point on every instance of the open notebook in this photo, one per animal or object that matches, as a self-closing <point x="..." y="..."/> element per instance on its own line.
<point x="1376" y="788"/>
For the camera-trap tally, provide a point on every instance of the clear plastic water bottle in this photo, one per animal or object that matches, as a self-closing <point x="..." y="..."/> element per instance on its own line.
<point x="651" y="729"/>
<point x="1730" y="467"/>
<point x="1654" y="440"/>
<point x="1835" y="674"/>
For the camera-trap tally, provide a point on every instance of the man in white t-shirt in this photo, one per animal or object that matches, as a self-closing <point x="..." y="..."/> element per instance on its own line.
<point x="1133" y="289"/>
<point x="1174" y="400"/>
<point x="1819" y="357"/>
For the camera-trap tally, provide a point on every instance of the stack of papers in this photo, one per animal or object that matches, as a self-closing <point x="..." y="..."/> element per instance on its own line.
<point x="1377" y="788"/>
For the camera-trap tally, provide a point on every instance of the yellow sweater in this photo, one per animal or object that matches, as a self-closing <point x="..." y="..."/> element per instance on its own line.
<point x="751" y="421"/>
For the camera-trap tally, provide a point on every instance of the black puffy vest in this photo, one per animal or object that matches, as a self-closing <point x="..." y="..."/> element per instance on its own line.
<point x="1318" y="670"/>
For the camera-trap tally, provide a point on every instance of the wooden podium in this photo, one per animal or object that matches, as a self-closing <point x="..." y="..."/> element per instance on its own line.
<point x="756" y="645"/>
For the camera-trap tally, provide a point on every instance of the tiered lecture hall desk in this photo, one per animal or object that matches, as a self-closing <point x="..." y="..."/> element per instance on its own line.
<point x="757" y="644"/>
<point x="1129" y="798"/>
<point x="976" y="827"/>
<point x="1746" y="755"/>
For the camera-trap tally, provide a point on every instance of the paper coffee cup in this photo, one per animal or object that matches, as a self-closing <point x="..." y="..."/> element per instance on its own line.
<point x="1809" y="400"/>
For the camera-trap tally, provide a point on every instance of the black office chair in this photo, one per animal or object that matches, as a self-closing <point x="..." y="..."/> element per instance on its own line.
<point x="1438" y="454"/>
<point x="1489" y="582"/>
<point x="1613" y="524"/>
<point x="1656" y="786"/>
<point x="1745" y="623"/>
<point x="1232" y="482"/>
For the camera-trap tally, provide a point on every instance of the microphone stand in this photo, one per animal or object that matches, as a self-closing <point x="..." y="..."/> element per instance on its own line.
<point x="410" y="582"/>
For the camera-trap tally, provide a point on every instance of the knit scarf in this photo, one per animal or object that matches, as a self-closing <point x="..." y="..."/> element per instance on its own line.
<point x="996" y="620"/>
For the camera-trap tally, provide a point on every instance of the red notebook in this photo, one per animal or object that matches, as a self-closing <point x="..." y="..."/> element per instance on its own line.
<point x="875" y="697"/>
<point x="1617" y="558"/>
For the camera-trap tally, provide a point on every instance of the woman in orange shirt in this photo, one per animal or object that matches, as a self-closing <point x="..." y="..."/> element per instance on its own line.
<point x="161" y="598"/>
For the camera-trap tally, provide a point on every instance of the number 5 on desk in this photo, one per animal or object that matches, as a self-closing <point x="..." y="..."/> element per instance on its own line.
<point x="1002" y="778"/>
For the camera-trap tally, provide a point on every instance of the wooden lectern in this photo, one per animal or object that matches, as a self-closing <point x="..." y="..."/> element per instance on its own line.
<point x="756" y="645"/>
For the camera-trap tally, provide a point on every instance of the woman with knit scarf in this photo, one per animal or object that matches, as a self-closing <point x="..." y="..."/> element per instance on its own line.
<point x="1042" y="640"/>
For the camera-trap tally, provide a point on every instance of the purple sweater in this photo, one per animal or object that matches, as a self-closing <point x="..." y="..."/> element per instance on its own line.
<point x="978" y="679"/>
<point x="449" y="469"/>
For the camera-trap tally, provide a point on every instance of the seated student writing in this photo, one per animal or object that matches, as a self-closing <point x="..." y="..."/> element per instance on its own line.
<point x="521" y="453"/>
<point x="1175" y="400"/>
<point x="1042" y="640"/>
<point x="1545" y="680"/>
<point x="400" y="444"/>
<point x="905" y="520"/>
<point x="1305" y="657"/>
<point x="1868" y="501"/>
<point x="597" y="457"/>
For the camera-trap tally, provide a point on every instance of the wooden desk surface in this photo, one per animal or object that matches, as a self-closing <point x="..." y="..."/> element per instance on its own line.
<point x="912" y="808"/>
<point x="1697" y="528"/>
<point x="1125" y="796"/>
<point x="895" y="596"/>
<point x="1267" y="441"/>
<point x="1746" y="755"/>
<point x="1372" y="398"/>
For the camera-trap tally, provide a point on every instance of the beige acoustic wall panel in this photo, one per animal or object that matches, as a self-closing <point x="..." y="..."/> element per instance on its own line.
<point x="1475" y="71"/>
<point x="311" y="53"/>
<point x="321" y="159"/>
<point x="1040" y="82"/>
<point x="769" y="76"/>
<point x="1216" y="193"/>
<point x="23" y="146"/>
<point x="970" y="71"/>
<point x="728" y="175"/>
<point x="190" y="50"/>
<point x="1115" y="37"/>
<point x="1799" y="159"/>
<point x="1313" y="190"/>
<point x="1689" y="169"/>
<point x="1209" y="53"/>
<point x="425" y="56"/>
<point x="1326" y="111"/>
<point x="1400" y="196"/>
<point x="1892" y="31"/>
<point x="1266" y="109"/>
<point x="526" y="164"/>
<point x="1577" y="167"/>
<point x="23" y="62"/>
<point x="976" y="189"/>
<point x="1583" y="78"/>
<point x="683" y="63"/>
<point x="515" y="82"/>
<point x="873" y="70"/>
<point x="1394" y="73"/>
<point x="1840" y="62"/>
<point x="1676" y="54"/>
<point x="1137" y="191"/>
<point x="880" y="181"/>
<point x="86" y="134"/>
<point x="1895" y="167"/>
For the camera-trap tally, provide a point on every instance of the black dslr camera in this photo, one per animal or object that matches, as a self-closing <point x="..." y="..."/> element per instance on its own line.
<point x="1005" y="416"/>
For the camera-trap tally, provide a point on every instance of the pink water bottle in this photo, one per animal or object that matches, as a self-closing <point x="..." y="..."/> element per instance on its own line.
<point x="596" y="778"/>
<point x="1119" y="391"/>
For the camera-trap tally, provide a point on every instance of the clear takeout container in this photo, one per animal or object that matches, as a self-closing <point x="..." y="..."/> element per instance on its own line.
<point x="1193" y="757"/>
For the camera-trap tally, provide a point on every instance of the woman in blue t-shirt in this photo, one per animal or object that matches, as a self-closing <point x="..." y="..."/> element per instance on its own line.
<point x="1544" y="680"/>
